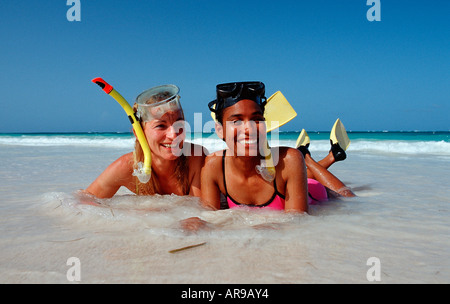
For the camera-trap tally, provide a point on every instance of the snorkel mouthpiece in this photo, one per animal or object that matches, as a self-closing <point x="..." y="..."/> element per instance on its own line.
<point x="144" y="170"/>
<point x="268" y="173"/>
<point x="266" y="168"/>
<point x="142" y="173"/>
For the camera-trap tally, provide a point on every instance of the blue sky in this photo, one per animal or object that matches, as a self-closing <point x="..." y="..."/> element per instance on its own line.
<point x="325" y="56"/>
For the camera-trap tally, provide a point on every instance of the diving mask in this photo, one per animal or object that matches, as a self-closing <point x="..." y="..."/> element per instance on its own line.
<point x="155" y="102"/>
<point x="229" y="94"/>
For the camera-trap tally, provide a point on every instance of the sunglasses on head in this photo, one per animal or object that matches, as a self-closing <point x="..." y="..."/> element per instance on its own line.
<point x="230" y="93"/>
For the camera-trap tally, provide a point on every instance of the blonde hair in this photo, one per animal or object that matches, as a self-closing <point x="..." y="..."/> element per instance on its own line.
<point x="181" y="171"/>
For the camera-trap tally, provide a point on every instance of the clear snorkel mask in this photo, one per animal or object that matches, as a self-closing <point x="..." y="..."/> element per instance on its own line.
<point x="155" y="102"/>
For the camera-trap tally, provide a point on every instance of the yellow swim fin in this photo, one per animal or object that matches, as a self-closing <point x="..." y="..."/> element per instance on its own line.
<point x="302" y="140"/>
<point x="278" y="111"/>
<point x="339" y="135"/>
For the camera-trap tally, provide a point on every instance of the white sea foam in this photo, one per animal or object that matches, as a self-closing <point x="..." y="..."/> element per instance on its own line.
<point x="389" y="147"/>
<point x="398" y="147"/>
<point x="403" y="147"/>
<point x="80" y="141"/>
<point x="212" y="143"/>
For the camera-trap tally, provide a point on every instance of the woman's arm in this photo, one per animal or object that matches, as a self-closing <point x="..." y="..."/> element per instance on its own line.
<point x="196" y="163"/>
<point x="118" y="174"/>
<point x="212" y="169"/>
<point x="294" y="172"/>
<point x="208" y="198"/>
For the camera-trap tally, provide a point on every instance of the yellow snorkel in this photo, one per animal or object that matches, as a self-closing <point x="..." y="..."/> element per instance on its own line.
<point x="277" y="112"/>
<point x="144" y="171"/>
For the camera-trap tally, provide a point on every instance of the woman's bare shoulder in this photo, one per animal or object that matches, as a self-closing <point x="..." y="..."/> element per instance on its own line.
<point x="117" y="174"/>
<point x="291" y="154"/>
<point x="213" y="163"/>
<point x="289" y="158"/>
<point x="215" y="157"/>
<point x="125" y="162"/>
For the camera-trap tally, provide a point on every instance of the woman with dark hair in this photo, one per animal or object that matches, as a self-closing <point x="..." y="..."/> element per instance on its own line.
<point x="238" y="172"/>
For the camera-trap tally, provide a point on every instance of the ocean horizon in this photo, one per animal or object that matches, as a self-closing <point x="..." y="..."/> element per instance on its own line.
<point x="409" y="142"/>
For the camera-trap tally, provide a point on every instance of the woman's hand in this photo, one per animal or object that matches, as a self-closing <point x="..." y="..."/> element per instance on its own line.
<point x="193" y="224"/>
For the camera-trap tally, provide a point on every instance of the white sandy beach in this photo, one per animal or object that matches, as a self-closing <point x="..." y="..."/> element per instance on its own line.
<point x="400" y="217"/>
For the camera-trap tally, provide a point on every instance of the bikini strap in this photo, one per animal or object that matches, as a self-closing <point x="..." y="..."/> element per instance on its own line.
<point x="225" y="181"/>
<point x="276" y="190"/>
<point x="223" y="172"/>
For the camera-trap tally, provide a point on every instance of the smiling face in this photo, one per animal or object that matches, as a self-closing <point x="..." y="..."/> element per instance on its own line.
<point x="166" y="135"/>
<point x="243" y="128"/>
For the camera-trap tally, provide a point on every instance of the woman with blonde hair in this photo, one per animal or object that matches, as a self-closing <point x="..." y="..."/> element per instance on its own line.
<point x="175" y="167"/>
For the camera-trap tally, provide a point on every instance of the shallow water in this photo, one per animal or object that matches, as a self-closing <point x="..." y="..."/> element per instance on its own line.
<point x="401" y="216"/>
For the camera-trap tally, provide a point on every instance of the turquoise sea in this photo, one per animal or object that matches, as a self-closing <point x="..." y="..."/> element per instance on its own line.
<point x="400" y="217"/>
<point x="433" y="142"/>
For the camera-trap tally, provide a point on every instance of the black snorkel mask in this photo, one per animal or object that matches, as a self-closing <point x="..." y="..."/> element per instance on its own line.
<point x="231" y="93"/>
